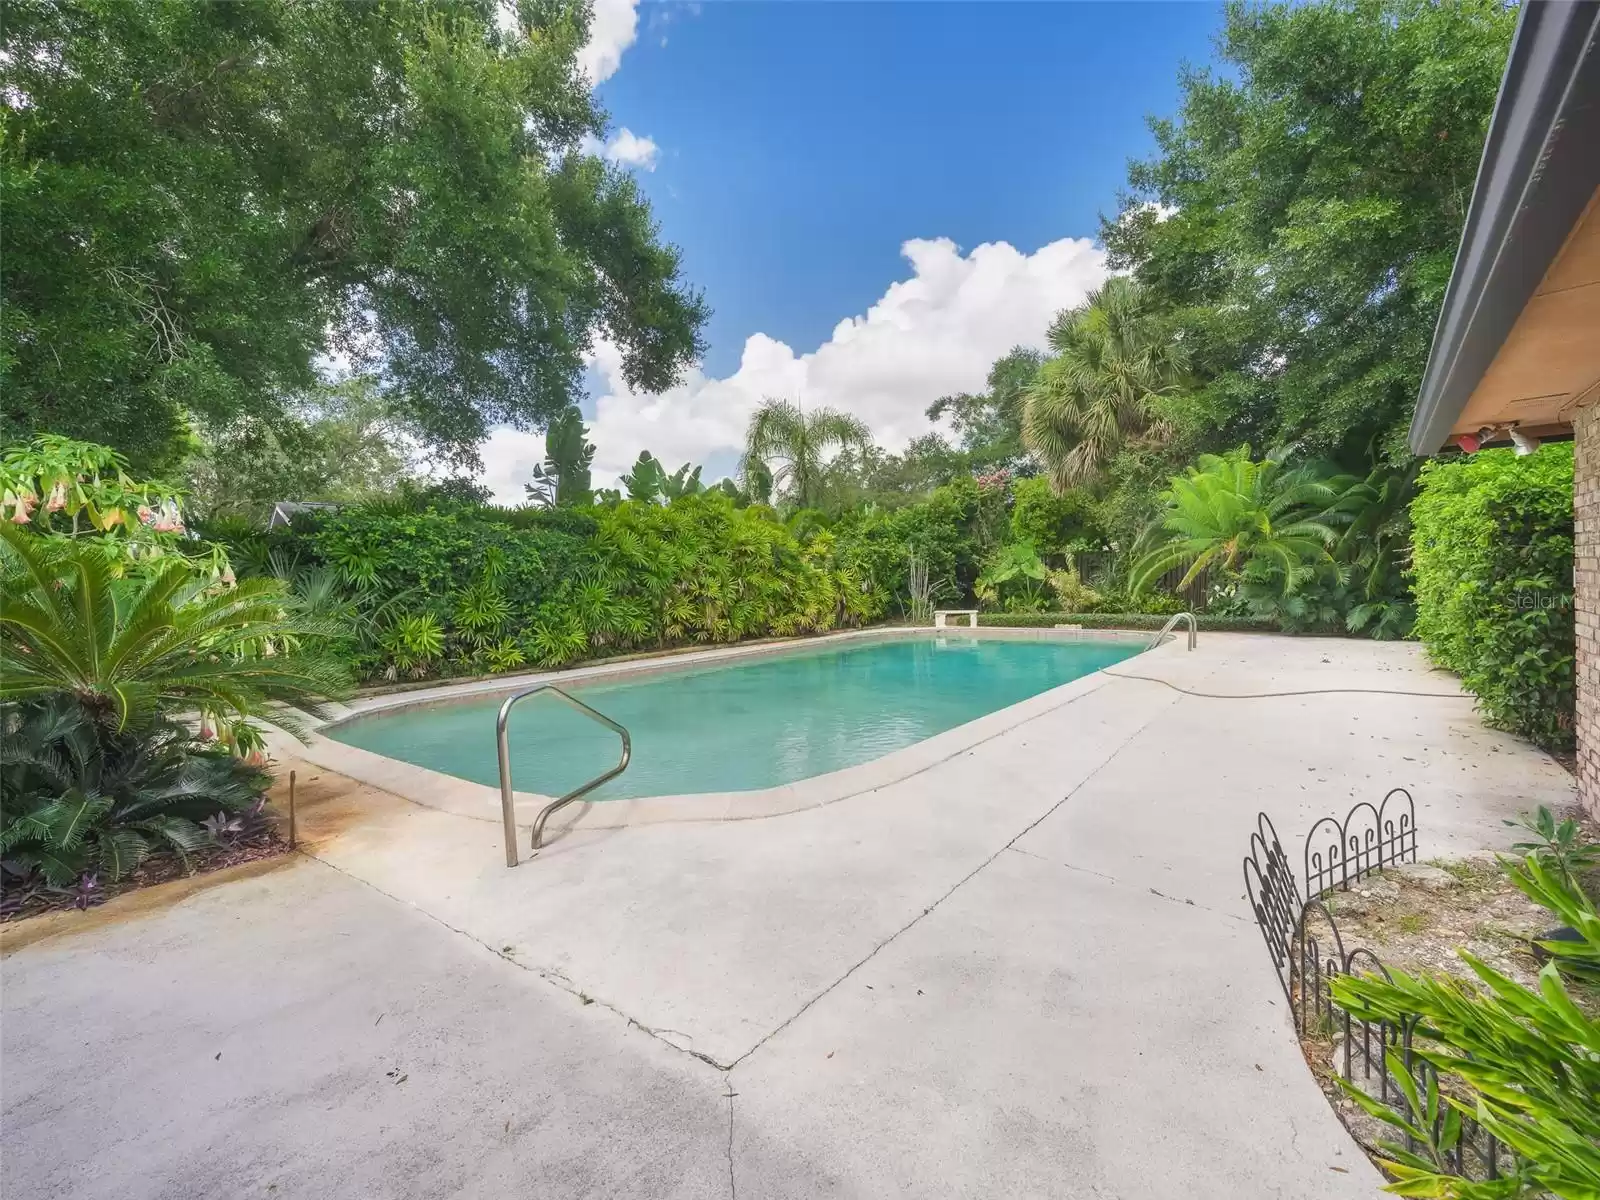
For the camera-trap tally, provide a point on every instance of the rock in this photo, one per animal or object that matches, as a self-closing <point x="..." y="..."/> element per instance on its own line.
<point x="1435" y="879"/>
<point x="1375" y="887"/>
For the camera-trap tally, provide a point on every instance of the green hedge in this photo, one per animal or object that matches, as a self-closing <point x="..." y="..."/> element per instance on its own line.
<point x="1124" y="621"/>
<point x="1492" y="560"/>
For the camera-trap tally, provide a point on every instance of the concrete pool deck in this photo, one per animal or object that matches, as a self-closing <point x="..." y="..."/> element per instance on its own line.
<point x="1028" y="970"/>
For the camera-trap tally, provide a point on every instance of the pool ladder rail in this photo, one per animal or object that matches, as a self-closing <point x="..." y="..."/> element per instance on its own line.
<point x="1167" y="628"/>
<point x="508" y="811"/>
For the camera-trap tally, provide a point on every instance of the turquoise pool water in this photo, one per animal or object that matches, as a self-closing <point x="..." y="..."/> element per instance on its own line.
<point x="752" y="723"/>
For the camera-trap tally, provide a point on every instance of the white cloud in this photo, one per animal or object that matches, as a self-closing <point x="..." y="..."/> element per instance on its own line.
<point x="936" y="332"/>
<point x="631" y="150"/>
<point x="612" y="30"/>
<point x="625" y="148"/>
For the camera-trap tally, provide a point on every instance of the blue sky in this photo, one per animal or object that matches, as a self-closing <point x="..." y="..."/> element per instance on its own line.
<point x="793" y="150"/>
<point x="802" y="143"/>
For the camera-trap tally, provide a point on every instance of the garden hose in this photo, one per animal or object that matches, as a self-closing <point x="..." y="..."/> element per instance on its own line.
<point x="1275" y="695"/>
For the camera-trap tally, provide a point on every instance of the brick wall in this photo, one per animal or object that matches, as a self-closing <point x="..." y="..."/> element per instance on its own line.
<point x="1586" y="600"/>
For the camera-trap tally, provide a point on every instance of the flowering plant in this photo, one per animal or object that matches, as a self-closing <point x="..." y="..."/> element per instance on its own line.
<point x="63" y="488"/>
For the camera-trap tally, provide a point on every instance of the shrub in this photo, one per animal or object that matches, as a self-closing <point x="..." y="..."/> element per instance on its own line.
<point x="1072" y="593"/>
<point x="1492" y="564"/>
<point x="1106" y="620"/>
<point x="1052" y="522"/>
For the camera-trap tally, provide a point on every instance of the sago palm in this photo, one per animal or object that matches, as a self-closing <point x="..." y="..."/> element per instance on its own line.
<point x="78" y="798"/>
<point x="793" y="444"/>
<point x="1110" y="361"/>
<point x="1254" y="518"/>
<point x="130" y="650"/>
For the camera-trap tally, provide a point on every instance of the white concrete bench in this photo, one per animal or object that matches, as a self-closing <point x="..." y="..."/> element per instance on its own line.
<point x="940" y="615"/>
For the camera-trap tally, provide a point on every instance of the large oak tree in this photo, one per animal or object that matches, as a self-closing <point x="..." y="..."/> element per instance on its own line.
<point x="202" y="199"/>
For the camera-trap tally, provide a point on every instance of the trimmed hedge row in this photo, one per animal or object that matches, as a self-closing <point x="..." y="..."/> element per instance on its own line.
<point x="1492" y="557"/>
<point x="1125" y="621"/>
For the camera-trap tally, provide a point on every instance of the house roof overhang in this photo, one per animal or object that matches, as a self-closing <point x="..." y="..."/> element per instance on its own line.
<point x="1518" y="338"/>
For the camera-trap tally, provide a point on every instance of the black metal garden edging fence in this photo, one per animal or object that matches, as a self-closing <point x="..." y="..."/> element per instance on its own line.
<point x="1338" y="854"/>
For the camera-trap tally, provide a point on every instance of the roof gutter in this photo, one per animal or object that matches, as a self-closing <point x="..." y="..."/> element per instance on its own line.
<point x="1541" y="164"/>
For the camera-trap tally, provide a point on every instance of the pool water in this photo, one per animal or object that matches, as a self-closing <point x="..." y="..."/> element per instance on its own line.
<point x="752" y="723"/>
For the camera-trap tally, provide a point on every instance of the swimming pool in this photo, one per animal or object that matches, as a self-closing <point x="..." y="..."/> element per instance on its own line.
<point x="750" y="723"/>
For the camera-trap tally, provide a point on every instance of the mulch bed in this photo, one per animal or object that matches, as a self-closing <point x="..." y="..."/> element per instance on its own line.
<point x="20" y="903"/>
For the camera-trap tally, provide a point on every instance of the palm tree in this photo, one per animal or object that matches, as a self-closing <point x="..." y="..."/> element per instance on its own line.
<point x="784" y="434"/>
<point x="132" y="650"/>
<point x="1271" y="525"/>
<point x="1097" y="390"/>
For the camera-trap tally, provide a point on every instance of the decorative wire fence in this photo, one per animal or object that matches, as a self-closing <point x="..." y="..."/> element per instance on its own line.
<point x="1308" y="953"/>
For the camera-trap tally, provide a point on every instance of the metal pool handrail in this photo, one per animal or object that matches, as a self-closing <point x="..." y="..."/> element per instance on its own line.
<point x="1167" y="628"/>
<point x="508" y="812"/>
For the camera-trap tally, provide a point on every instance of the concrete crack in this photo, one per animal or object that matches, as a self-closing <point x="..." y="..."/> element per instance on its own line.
<point x="550" y="975"/>
<point x="1010" y="845"/>
<point x="733" y="1187"/>
<point x="1064" y="865"/>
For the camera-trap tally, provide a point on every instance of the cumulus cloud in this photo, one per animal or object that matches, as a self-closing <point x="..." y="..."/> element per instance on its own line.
<point x="935" y="332"/>
<point x="630" y="150"/>
<point x="612" y="29"/>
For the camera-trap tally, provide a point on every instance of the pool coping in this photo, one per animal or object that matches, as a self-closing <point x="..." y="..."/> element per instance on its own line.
<point x="447" y="793"/>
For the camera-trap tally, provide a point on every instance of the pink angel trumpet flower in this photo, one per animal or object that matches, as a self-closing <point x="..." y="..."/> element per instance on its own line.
<point x="58" y="497"/>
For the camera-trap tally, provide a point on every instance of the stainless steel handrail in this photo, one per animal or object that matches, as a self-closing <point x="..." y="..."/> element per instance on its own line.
<point x="1167" y="628"/>
<point x="508" y="811"/>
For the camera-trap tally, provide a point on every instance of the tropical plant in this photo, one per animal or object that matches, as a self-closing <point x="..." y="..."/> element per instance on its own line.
<point x="563" y="477"/>
<point x="1258" y="522"/>
<point x="1375" y="546"/>
<point x="1524" y="1064"/>
<point x="64" y="489"/>
<point x="555" y="638"/>
<point x="413" y="643"/>
<point x="682" y="482"/>
<point x="1016" y="577"/>
<point x="1559" y="843"/>
<point x="481" y="613"/>
<point x="1072" y="595"/>
<point x="644" y="481"/>
<point x="505" y="655"/>
<point x="132" y="650"/>
<point x="793" y="444"/>
<point x="1111" y="361"/>
<point x="79" y="796"/>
